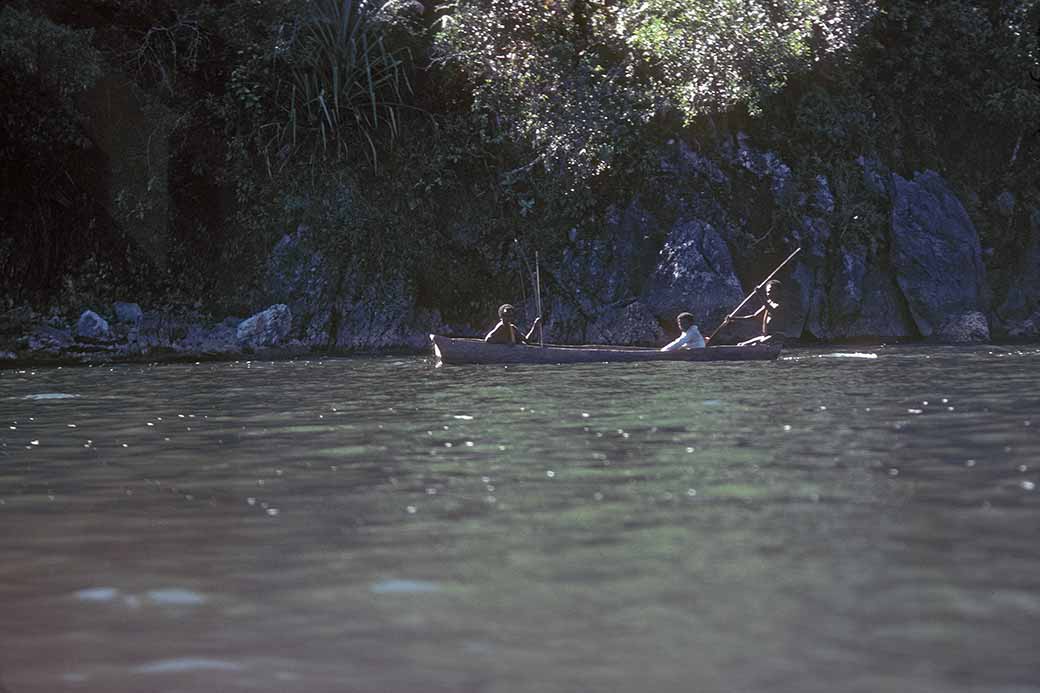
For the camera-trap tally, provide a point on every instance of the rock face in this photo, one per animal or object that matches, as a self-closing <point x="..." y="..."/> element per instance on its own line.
<point x="805" y="281"/>
<point x="633" y="324"/>
<point x="92" y="327"/>
<point x="337" y="307"/>
<point x="1020" y="311"/>
<point x="623" y="277"/>
<point x="695" y="274"/>
<point x="864" y="300"/>
<point x="267" y="328"/>
<point x="937" y="258"/>
<point x="128" y="313"/>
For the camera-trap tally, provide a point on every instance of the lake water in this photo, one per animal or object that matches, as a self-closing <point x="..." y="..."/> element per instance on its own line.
<point x="855" y="520"/>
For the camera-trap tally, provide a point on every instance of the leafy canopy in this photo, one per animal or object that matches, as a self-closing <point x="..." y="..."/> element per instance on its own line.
<point x="579" y="79"/>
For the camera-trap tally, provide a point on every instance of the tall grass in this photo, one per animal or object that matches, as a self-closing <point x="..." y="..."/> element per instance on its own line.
<point x="346" y="86"/>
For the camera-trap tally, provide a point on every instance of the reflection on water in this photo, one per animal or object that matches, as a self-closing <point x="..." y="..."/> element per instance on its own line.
<point x="856" y="521"/>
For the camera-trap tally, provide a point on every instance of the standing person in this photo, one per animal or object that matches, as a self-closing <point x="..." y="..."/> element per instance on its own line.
<point x="506" y="331"/>
<point x="690" y="338"/>
<point x="771" y="314"/>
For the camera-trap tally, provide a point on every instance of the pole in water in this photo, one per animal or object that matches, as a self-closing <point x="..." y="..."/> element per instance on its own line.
<point x="756" y="290"/>
<point x="538" y="288"/>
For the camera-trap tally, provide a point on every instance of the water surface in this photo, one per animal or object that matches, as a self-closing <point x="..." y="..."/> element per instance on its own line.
<point x="834" y="521"/>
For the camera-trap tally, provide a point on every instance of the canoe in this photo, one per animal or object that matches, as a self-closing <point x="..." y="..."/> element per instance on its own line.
<point x="454" y="350"/>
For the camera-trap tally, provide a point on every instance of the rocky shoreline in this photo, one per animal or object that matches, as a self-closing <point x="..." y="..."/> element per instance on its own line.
<point x="921" y="277"/>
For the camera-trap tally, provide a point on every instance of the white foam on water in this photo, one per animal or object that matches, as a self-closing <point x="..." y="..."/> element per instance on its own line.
<point x="51" y="395"/>
<point x="849" y="355"/>
<point x="183" y="664"/>
<point x="175" y="596"/>
<point x="404" y="586"/>
<point x="97" y="594"/>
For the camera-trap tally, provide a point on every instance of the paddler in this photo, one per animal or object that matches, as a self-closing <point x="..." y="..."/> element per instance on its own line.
<point x="690" y="338"/>
<point x="770" y="315"/>
<point x="506" y="331"/>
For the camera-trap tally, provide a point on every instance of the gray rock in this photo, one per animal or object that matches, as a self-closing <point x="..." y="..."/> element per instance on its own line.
<point x="1022" y="303"/>
<point x="598" y="280"/>
<point x="864" y="301"/>
<point x="694" y="273"/>
<point x="685" y="161"/>
<point x="966" y="328"/>
<point x="93" y="327"/>
<point x="822" y="198"/>
<point x="45" y="340"/>
<point x="219" y="340"/>
<point x="935" y="253"/>
<point x="129" y="313"/>
<point x="766" y="165"/>
<point x="875" y="176"/>
<point x="269" y="327"/>
<point x="634" y="324"/>
<point x="298" y="276"/>
<point x="1005" y="203"/>
<point x="1027" y="328"/>
<point x="805" y="283"/>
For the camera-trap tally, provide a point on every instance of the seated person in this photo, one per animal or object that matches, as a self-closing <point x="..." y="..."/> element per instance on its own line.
<point x="689" y="339"/>
<point x="506" y="331"/>
<point x="771" y="314"/>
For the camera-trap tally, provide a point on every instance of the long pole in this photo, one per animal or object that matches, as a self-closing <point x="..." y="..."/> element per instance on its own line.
<point x="757" y="289"/>
<point x="538" y="288"/>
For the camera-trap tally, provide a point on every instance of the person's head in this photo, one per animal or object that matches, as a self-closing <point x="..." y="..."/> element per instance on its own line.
<point x="773" y="289"/>
<point x="506" y="312"/>
<point x="686" y="321"/>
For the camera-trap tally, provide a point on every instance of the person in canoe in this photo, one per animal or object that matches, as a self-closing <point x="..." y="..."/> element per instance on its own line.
<point x="690" y="338"/>
<point x="771" y="316"/>
<point x="506" y="331"/>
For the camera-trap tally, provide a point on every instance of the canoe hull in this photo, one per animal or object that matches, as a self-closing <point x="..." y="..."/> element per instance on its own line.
<point x="453" y="350"/>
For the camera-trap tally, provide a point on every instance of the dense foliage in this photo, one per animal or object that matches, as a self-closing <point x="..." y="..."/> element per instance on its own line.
<point x="440" y="139"/>
<point x="581" y="80"/>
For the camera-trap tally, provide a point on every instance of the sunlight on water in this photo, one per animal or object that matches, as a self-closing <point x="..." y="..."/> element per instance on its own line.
<point x="833" y="521"/>
<point x="50" y="396"/>
<point x="187" y="664"/>
<point x="404" y="587"/>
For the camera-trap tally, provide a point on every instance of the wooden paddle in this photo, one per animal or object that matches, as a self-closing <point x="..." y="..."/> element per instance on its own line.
<point x="538" y="288"/>
<point x="748" y="297"/>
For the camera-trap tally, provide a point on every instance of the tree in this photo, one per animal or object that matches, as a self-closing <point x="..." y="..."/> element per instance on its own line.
<point x="580" y="79"/>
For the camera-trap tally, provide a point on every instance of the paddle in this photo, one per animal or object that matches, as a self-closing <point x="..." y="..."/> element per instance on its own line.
<point x="748" y="297"/>
<point x="538" y="289"/>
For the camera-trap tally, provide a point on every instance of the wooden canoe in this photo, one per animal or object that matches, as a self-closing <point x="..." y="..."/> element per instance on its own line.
<point x="453" y="350"/>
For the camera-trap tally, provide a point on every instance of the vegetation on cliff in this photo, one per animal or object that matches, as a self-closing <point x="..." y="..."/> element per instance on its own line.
<point x="156" y="149"/>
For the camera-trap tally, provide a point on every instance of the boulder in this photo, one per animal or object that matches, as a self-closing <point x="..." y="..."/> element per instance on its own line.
<point x="966" y="328"/>
<point x="336" y="306"/>
<point x="764" y="165"/>
<point x="805" y="294"/>
<point x="864" y="301"/>
<point x="681" y="160"/>
<point x="935" y="254"/>
<point x="45" y="340"/>
<point x="269" y="327"/>
<point x="1005" y="204"/>
<point x="875" y="176"/>
<point x="695" y="274"/>
<point x="1026" y="328"/>
<point x="129" y="313"/>
<point x="1019" y="313"/>
<point x="634" y="324"/>
<point x="297" y="275"/>
<point x="91" y="327"/>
